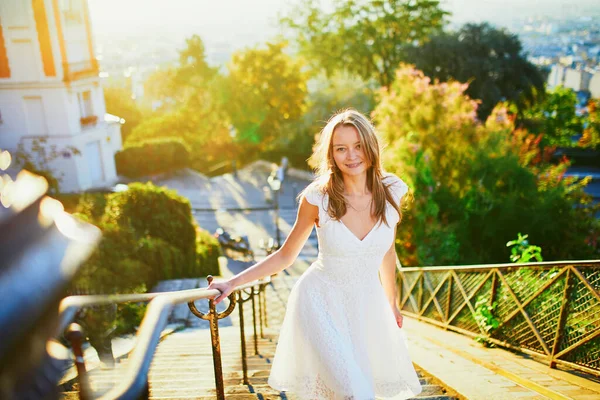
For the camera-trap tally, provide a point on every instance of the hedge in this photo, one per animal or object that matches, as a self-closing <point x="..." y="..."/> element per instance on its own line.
<point x="158" y="212"/>
<point x="151" y="157"/>
<point x="208" y="251"/>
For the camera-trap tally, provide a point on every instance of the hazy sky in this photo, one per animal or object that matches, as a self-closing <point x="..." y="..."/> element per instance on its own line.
<point x="244" y="22"/>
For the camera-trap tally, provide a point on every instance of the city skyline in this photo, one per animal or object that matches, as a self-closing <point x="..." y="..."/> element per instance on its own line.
<point x="239" y="23"/>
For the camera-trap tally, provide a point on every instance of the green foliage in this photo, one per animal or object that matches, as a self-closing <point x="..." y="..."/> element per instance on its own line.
<point x="149" y="210"/>
<point x="92" y="205"/>
<point x="160" y="92"/>
<point x="490" y="59"/>
<point x="476" y="185"/>
<point x="485" y="316"/>
<point x="193" y="109"/>
<point x="591" y="132"/>
<point x="152" y="156"/>
<point x="266" y="90"/>
<point x="130" y="315"/>
<point x="194" y="70"/>
<point x="208" y="251"/>
<point x="70" y="201"/>
<point x="164" y="259"/>
<point x="365" y="38"/>
<point x="119" y="102"/>
<point x="112" y="267"/>
<point x="148" y="235"/>
<point x="327" y="96"/>
<point x="555" y="118"/>
<point x="522" y="251"/>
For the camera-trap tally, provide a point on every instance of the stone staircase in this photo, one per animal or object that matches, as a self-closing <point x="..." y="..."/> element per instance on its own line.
<point x="183" y="368"/>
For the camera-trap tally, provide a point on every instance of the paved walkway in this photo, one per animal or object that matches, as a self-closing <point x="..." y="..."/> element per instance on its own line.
<point x="476" y="372"/>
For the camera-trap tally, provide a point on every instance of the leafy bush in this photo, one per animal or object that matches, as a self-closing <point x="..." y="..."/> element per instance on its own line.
<point x="477" y="185"/>
<point x="164" y="260"/>
<point x="130" y="315"/>
<point x="208" y="251"/>
<point x="152" y="157"/>
<point x="158" y="212"/>
<point x="92" y="205"/>
<point x="112" y="267"/>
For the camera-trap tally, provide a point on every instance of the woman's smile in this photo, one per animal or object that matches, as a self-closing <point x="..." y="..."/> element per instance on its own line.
<point x="354" y="165"/>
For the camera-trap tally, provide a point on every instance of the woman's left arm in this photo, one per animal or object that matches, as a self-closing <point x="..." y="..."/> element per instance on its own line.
<point x="387" y="273"/>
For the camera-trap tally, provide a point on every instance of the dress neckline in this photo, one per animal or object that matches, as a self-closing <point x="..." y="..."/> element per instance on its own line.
<point x="356" y="237"/>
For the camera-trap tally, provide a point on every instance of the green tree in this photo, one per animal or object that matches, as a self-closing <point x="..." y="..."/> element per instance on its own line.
<point x="204" y="128"/>
<point x="174" y="86"/>
<point x="120" y="103"/>
<point x="555" y="118"/>
<point x="266" y="91"/>
<point x="193" y="73"/>
<point x="490" y="59"/>
<point x="160" y="92"/>
<point x="366" y="38"/>
<point x="326" y="96"/>
<point x="193" y="108"/>
<point x="591" y="132"/>
<point x="476" y="185"/>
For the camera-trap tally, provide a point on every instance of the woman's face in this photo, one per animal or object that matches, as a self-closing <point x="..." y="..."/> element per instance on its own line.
<point x="348" y="153"/>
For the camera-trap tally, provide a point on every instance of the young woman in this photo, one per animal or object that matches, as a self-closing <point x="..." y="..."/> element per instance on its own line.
<point x="340" y="338"/>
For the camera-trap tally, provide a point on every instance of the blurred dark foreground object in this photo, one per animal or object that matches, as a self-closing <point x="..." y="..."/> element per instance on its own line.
<point x="41" y="247"/>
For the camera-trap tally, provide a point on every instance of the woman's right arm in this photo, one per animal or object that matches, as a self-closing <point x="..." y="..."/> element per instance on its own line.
<point x="279" y="260"/>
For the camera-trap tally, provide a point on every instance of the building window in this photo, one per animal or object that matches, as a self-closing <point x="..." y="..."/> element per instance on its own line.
<point x="72" y="11"/>
<point x="85" y="108"/>
<point x="85" y="103"/>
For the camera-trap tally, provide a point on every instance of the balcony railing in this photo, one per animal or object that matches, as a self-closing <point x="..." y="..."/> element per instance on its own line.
<point x="80" y="70"/>
<point x="90" y="120"/>
<point x="550" y="310"/>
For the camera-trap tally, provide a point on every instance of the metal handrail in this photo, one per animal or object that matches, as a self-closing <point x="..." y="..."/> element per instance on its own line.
<point x="550" y="310"/>
<point x="148" y="336"/>
<point x="475" y="267"/>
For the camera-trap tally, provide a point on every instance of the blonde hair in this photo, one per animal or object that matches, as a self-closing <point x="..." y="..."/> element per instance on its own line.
<point x="329" y="178"/>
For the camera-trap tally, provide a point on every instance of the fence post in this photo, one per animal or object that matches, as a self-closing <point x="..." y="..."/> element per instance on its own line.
<point x="75" y="336"/>
<point x="562" y="317"/>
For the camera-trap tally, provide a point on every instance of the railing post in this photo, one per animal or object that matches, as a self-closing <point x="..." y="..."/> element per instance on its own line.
<point x="216" y="346"/>
<point x="260" y="309"/>
<point x="420" y="294"/>
<point x="243" y="339"/>
<point x="253" y="294"/>
<point x="449" y="301"/>
<point x="75" y="336"/>
<point x="265" y="305"/>
<point x="494" y="287"/>
<point x="562" y="317"/>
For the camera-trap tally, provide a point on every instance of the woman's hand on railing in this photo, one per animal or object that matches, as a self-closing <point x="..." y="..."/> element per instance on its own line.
<point x="225" y="287"/>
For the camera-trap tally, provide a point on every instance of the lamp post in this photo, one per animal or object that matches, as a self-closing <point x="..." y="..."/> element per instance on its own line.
<point x="275" y="185"/>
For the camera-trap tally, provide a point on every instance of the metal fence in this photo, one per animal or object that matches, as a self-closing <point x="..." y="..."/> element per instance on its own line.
<point x="549" y="309"/>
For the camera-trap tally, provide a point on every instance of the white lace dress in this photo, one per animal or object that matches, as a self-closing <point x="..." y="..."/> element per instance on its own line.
<point x="339" y="338"/>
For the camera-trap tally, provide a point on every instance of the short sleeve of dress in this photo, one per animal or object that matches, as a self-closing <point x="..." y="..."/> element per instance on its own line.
<point x="313" y="195"/>
<point x="316" y="197"/>
<point x="397" y="186"/>
<point x="398" y="189"/>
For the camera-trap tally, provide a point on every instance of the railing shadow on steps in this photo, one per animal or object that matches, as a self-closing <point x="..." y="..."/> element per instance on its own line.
<point x="134" y="382"/>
